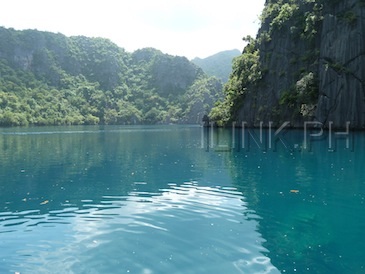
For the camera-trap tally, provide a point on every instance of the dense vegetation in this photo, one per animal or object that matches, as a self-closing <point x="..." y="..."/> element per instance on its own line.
<point x="219" y="64"/>
<point x="51" y="79"/>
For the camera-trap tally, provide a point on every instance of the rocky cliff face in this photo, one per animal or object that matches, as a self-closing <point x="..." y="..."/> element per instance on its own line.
<point x="341" y="69"/>
<point x="309" y="66"/>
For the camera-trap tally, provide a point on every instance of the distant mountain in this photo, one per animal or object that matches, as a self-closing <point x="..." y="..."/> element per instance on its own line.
<point x="50" y="79"/>
<point x="219" y="64"/>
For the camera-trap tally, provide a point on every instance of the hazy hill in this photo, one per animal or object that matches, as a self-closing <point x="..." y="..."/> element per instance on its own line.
<point x="219" y="64"/>
<point x="50" y="79"/>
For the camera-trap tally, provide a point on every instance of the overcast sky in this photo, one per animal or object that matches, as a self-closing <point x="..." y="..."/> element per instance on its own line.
<point x="191" y="28"/>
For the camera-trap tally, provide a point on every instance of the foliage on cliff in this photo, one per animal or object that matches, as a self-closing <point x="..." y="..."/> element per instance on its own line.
<point x="51" y="79"/>
<point x="305" y="64"/>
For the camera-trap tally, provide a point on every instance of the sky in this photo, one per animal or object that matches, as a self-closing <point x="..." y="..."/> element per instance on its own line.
<point x="191" y="28"/>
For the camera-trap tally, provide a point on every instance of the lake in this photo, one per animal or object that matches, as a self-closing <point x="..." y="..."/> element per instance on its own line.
<point x="180" y="199"/>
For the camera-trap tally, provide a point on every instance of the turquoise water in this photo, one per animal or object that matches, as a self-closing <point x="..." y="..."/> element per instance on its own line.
<point x="179" y="199"/>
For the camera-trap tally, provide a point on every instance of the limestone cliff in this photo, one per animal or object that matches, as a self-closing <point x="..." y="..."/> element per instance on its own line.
<point x="306" y="64"/>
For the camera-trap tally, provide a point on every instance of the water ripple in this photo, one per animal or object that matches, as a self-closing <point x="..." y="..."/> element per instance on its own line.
<point x="180" y="224"/>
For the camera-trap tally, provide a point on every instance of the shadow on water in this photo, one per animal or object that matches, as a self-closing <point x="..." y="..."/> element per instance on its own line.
<point x="309" y="200"/>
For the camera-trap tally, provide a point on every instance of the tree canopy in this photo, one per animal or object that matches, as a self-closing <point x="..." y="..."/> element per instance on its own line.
<point x="51" y="79"/>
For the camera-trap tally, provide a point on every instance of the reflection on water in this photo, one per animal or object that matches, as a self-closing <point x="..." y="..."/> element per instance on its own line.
<point x="125" y="200"/>
<point x="182" y="229"/>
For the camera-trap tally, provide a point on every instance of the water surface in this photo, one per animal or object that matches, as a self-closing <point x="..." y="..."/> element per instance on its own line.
<point x="178" y="199"/>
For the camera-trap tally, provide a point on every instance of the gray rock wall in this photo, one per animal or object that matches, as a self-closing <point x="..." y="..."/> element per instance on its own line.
<point x="342" y="66"/>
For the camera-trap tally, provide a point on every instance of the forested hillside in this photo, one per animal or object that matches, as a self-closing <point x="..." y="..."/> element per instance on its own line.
<point x="306" y="64"/>
<point x="51" y="79"/>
